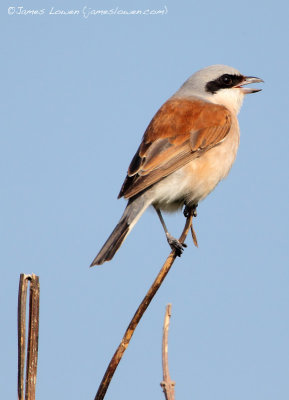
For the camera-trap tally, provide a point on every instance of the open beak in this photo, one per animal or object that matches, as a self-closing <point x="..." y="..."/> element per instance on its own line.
<point x="246" y="81"/>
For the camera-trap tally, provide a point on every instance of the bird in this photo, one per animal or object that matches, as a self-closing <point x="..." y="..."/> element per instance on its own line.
<point x="187" y="149"/>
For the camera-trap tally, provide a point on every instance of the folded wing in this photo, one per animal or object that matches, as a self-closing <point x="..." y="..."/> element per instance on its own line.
<point x="182" y="130"/>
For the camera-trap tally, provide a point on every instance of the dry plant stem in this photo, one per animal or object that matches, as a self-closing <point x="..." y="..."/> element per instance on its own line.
<point x="33" y="329"/>
<point x="167" y="384"/>
<point x="194" y="236"/>
<point x="137" y="316"/>
<point x="22" y="295"/>
<point x="32" y="351"/>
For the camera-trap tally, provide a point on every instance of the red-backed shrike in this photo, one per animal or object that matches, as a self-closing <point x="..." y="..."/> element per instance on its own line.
<point x="188" y="147"/>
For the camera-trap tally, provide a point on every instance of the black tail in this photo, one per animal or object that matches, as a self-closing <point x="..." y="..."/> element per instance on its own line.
<point x="132" y="213"/>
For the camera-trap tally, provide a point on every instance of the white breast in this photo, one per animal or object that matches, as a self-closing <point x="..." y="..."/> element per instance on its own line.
<point x="193" y="182"/>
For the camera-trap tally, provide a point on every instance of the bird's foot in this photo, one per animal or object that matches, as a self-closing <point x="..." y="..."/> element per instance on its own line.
<point x="190" y="210"/>
<point x="176" y="245"/>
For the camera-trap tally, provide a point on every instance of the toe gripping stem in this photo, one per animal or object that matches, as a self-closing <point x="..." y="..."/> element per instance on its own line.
<point x="193" y="211"/>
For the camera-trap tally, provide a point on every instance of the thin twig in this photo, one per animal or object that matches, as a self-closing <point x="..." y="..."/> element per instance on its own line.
<point x="138" y="315"/>
<point x="33" y="329"/>
<point x="194" y="236"/>
<point x="167" y="384"/>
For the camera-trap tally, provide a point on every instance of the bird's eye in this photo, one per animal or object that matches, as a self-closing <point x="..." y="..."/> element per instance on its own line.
<point x="227" y="80"/>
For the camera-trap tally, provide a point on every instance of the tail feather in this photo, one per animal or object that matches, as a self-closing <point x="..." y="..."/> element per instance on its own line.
<point x="134" y="209"/>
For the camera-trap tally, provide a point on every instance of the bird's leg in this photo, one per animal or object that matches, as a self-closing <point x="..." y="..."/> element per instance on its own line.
<point x="173" y="242"/>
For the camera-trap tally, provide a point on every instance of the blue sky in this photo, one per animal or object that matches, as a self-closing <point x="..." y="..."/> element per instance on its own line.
<point x="77" y="94"/>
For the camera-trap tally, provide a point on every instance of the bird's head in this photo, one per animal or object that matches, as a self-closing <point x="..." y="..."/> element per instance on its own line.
<point x="219" y="84"/>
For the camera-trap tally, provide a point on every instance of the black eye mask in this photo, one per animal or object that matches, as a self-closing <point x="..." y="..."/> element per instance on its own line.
<point x="225" y="81"/>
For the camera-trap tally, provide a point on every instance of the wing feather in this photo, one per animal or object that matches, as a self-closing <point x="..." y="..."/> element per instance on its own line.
<point x="181" y="131"/>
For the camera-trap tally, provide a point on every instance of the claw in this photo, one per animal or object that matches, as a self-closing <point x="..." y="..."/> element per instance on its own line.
<point x="176" y="245"/>
<point x="187" y="211"/>
<point x="190" y="209"/>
